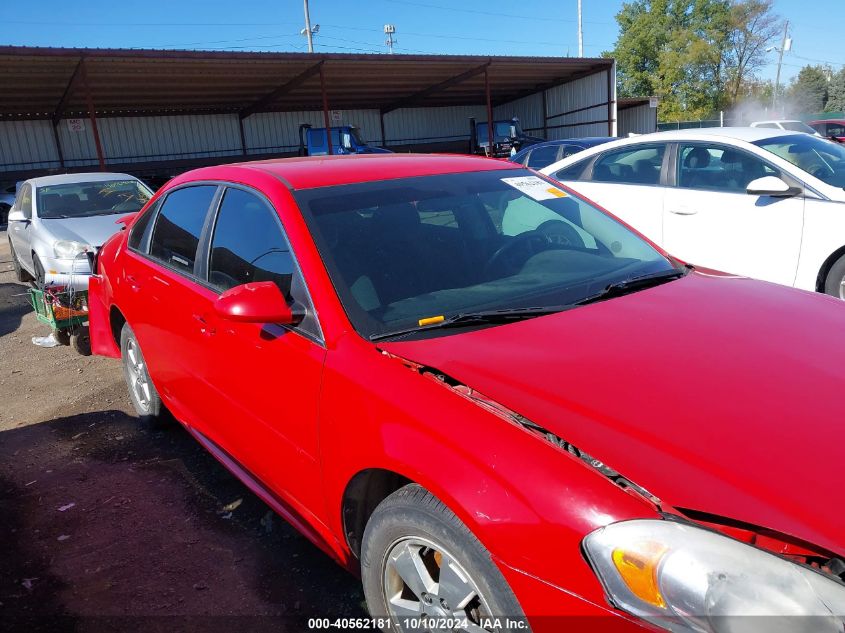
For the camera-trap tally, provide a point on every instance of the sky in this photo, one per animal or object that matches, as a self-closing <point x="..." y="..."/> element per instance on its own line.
<point x="483" y="27"/>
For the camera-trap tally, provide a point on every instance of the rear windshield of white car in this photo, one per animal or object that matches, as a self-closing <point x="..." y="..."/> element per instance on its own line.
<point x="797" y="126"/>
<point x="84" y="199"/>
<point x="817" y="156"/>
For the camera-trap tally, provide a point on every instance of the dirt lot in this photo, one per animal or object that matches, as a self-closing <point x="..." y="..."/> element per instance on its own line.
<point x="106" y="525"/>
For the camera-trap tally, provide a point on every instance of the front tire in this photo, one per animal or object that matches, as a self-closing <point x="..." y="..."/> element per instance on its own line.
<point x="834" y="283"/>
<point x="142" y="392"/>
<point x="419" y="561"/>
<point x="20" y="273"/>
<point x="40" y="275"/>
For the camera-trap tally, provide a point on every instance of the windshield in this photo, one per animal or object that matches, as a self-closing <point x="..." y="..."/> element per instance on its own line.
<point x="501" y="131"/>
<point x="84" y="199"/>
<point x="401" y="252"/>
<point x="797" y="126"/>
<point x="817" y="156"/>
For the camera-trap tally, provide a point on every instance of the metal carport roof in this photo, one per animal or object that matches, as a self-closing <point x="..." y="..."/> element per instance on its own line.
<point x="55" y="83"/>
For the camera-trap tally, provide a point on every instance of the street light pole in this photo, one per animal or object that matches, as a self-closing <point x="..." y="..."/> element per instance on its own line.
<point x="780" y="61"/>
<point x="308" y="31"/>
<point x="580" y="32"/>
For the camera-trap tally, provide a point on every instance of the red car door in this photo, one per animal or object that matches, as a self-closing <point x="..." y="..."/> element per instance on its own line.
<point x="163" y="300"/>
<point x="266" y="378"/>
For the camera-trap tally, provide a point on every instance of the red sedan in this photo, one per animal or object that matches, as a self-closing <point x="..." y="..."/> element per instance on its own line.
<point x="488" y="397"/>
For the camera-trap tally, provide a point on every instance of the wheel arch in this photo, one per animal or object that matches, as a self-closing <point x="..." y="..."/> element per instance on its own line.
<point x="826" y="266"/>
<point x="116" y="323"/>
<point x="362" y="494"/>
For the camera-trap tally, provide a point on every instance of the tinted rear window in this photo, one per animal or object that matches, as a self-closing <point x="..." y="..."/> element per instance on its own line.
<point x="179" y="225"/>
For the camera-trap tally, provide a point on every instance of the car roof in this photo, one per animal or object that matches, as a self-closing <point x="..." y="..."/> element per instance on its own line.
<point x="66" y="179"/>
<point x="326" y="171"/>
<point x="747" y="134"/>
<point x="778" y="121"/>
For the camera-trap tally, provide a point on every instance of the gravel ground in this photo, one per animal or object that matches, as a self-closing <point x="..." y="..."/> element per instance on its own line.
<point x="109" y="526"/>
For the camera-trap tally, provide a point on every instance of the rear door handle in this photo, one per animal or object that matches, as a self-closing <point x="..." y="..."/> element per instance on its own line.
<point x="205" y="329"/>
<point x="134" y="286"/>
<point x="683" y="211"/>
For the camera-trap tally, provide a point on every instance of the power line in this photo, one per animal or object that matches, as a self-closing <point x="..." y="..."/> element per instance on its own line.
<point x="514" y="16"/>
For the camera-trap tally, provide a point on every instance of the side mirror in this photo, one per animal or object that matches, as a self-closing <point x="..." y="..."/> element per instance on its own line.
<point x="772" y="186"/>
<point x="258" y="302"/>
<point x="16" y="216"/>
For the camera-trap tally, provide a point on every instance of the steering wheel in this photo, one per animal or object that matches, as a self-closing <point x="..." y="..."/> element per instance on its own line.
<point x="561" y="234"/>
<point x="525" y="245"/>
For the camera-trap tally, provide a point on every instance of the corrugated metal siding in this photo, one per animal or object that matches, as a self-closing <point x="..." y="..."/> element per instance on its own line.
<point x="581" y="93"/>
<point x="147" y="139"/>
<point x="637" y="120"/>
<point x="269" y="132"/>
<point x="27" y="145"/>
<point x="430" y="125"/>
<point x="529" y="111"/>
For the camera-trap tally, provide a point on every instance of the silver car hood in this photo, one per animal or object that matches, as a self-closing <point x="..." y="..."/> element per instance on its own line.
<point x="93" y="230"/>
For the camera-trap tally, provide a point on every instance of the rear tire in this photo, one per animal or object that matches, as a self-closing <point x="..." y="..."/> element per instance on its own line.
<point x="81" y="341"/>
<point x="20" y="273"/>
<point x="834" y="283"/>
<point x="418" y="560"/>
<point x="142" y="391"/>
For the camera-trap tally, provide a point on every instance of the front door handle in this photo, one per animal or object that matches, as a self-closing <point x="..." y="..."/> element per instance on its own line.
<point x="683" y="211"/>
<point x="205" y="329"/>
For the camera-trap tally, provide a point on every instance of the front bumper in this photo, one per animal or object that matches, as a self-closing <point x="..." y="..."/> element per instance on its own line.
<point x="73" y="273"/>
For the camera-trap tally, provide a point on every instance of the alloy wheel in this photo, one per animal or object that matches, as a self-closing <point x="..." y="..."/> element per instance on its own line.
<point x="138" y="380"/>
<point x="426" y="588"/>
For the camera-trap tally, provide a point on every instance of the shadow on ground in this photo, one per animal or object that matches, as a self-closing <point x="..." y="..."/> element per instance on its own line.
<point x="108" y="525"/>
<point x="14" y="304"/>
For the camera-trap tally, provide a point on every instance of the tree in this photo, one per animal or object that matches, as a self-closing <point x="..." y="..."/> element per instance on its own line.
<point x="836" y="93"/>
<point x="807" y="93"/>
<point x="696" y="55"/>
<point x="753" y="27"/>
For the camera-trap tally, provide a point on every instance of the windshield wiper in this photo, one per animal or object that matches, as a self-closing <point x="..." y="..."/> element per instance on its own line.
<point x="483" y="317"/>
<point x="509" y="315"/>
<point x="632" y="284"/>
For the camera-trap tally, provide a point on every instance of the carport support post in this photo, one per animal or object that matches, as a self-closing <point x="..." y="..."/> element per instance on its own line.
<point x="489" y="112"/>
<point x="58" y="145"/>
<point x="326" y="120"/>
<point x="93" y="118"/>
<point x="545" y="117"/>
<point x="610" y="99"/>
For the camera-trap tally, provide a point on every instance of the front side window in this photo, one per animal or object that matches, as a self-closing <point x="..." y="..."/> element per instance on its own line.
<point x="639" y="165"/>
<point x="178" y="226"/>
<point x="718" y="168"/>
<point x="24" y="201"/>
<point x="249" y="245"/>
<point x="86" y="199"/>
<point x="817" y="156"/>
<point x="542" y="156"/>
<point x="505" y="239"/>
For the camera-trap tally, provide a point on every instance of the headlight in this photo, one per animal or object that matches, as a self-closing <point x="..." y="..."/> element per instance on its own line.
<point x="66" y="249"/>
<point x="683" y="578"/>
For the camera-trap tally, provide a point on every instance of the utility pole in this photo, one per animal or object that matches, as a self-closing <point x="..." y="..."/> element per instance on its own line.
<point x="785" y="44"/>
<point x="580" y="32"/>
<point x="307" y="30"/>
<point x="389" y="30"/>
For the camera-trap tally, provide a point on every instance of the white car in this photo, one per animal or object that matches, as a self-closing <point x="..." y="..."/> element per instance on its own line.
<point x="56" y="222"/>
<point x="757" y="202"/>
<point x="790" y="125"/>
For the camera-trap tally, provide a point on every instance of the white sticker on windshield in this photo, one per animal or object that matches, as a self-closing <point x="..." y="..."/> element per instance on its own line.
<point x="535" y="187"/>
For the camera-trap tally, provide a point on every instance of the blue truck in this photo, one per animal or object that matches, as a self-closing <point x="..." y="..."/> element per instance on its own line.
<point x="346" y="139"/>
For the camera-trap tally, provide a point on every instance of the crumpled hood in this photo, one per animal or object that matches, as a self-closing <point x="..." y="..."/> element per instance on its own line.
<point x="717" y="394"/>
<point x="94" y="230"/>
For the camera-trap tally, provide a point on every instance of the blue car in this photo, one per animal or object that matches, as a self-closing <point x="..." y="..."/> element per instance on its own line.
<point x="544" y="154"/>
